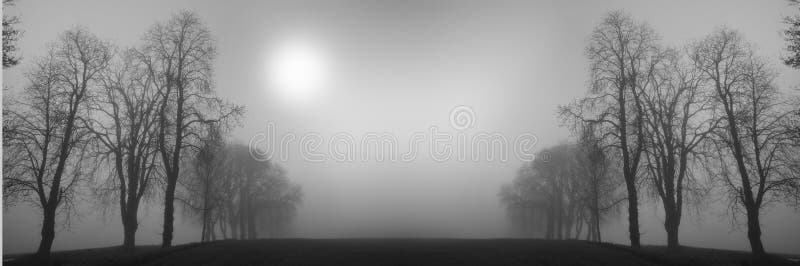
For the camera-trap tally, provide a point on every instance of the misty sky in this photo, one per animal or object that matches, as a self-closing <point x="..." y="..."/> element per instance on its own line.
<point x="399" y="67"/>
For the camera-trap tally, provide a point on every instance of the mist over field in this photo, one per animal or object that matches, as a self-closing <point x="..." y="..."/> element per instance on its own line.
<point x="399" y="119"/>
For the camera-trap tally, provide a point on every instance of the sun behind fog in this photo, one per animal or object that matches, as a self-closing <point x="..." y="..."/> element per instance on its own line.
<point x="298" y="71"/>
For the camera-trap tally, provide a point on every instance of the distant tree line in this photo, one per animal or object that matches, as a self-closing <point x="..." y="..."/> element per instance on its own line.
<point x="672" y="121"/>
<point x="233" y="194"/>
<point x="122" y="124"/>
<point x="568" y="190"/>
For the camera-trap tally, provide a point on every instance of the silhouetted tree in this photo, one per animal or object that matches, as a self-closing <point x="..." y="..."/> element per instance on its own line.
<point x="245" y="170"/>
<point x="680" y="116"/>
<point x="275" y="201"/>
<point x="566" y="188"/>
<point x="204" y="182"/>
<point x="792" y="36"/>
<point x="48" y="136"/>
<point x="235" y="191"/>
<point x="526" y="205"/>
<point x="598" y="189"/>
<point x="754" y="141"/>
<point x="620" y="52"/>
<point x="179" y="55"/>
<point x="123" y="123"/>
<point x="558" y="169"/>
<point x="10" y="37"/>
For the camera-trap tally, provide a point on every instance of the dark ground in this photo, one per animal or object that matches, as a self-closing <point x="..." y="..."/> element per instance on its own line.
<point x="399" y="252"/>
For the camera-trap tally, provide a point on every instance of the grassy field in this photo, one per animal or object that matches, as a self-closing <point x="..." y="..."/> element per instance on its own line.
<point x="398" y="252"/>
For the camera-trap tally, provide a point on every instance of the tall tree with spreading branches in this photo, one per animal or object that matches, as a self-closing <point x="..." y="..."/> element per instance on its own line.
<point x="756" y="152"/>
<point x="47" y="135"/>
<point x="179" y="54"/>
<point x="123" y="124"/>
<point x="680" y="118"/>
<point x="621" y="52"/>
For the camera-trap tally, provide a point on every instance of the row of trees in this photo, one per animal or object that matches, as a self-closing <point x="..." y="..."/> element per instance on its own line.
<point x="133" y="118"/>
<point x="230" y="192"/>
<point x="664" y="117"/>
<point x="569" y="187"/>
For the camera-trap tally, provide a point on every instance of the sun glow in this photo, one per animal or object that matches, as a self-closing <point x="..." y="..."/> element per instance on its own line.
<point x="298" y="71"/>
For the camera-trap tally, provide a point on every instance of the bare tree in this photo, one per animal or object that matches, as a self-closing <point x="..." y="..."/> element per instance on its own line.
<point x="555" y="170"/>
<point x="792" y="36"/>
<point x="10" y="37"/>
<point x="754" y="141"/>
<point x="203" y="195"/>
<point x="222" y="187"/>
<point x="179" y="55"/>
<point x="566" y="188"/>
<point x="564" y="180"/>
<point x="598" y="189"/>
<point x="525" y="201"/>
<point x="240" y="171"/>
<point x="275" y="201"/>
<point x="48" y="135"/>
<point x="248" y="171"/>
<point x="208" y="157"/>
<point x="680" y="117"/>
<point x="232" y="190"/>
<point x="123" y="123"/>
<point x="621" y="54"/>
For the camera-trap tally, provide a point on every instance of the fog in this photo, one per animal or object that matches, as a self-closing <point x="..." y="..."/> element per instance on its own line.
<point x="401" y="67"/>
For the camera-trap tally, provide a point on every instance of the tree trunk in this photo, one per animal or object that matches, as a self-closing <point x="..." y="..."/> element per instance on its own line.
<point x="243" y="217"/>
<point x="672" y="237"/>
<point x="223" y="228"/>
<point x="754" y="232"/>
<point x="169" y="212"/>
<point x="579" y="222"/>
<point x="203" y="234"/>
<point x="129" y="241"/>
<point x="671" y="223"/>
<point x="207" y="225"/>
<point x="550" y="220"/>
<point x="48" y="231"/>
<point x="598" y="236"/>
<point x="233" y="221"/>
<point x="251" y="222"/>
<point x="130" y="225"/>
<point x="596" y="223"/>
<point x="559" y="215"/>
<point x="633" y="213"/>
<point x="212" y="233"/>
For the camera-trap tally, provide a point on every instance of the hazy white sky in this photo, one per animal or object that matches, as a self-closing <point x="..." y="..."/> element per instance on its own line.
<point x="400" y="67"/>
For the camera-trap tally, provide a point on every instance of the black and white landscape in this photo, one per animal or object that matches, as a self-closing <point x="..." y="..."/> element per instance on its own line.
<point x="354" y="132"/>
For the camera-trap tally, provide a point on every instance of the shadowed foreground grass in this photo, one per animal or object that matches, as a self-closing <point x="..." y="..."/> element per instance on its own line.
<point x="398" y="252"/>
